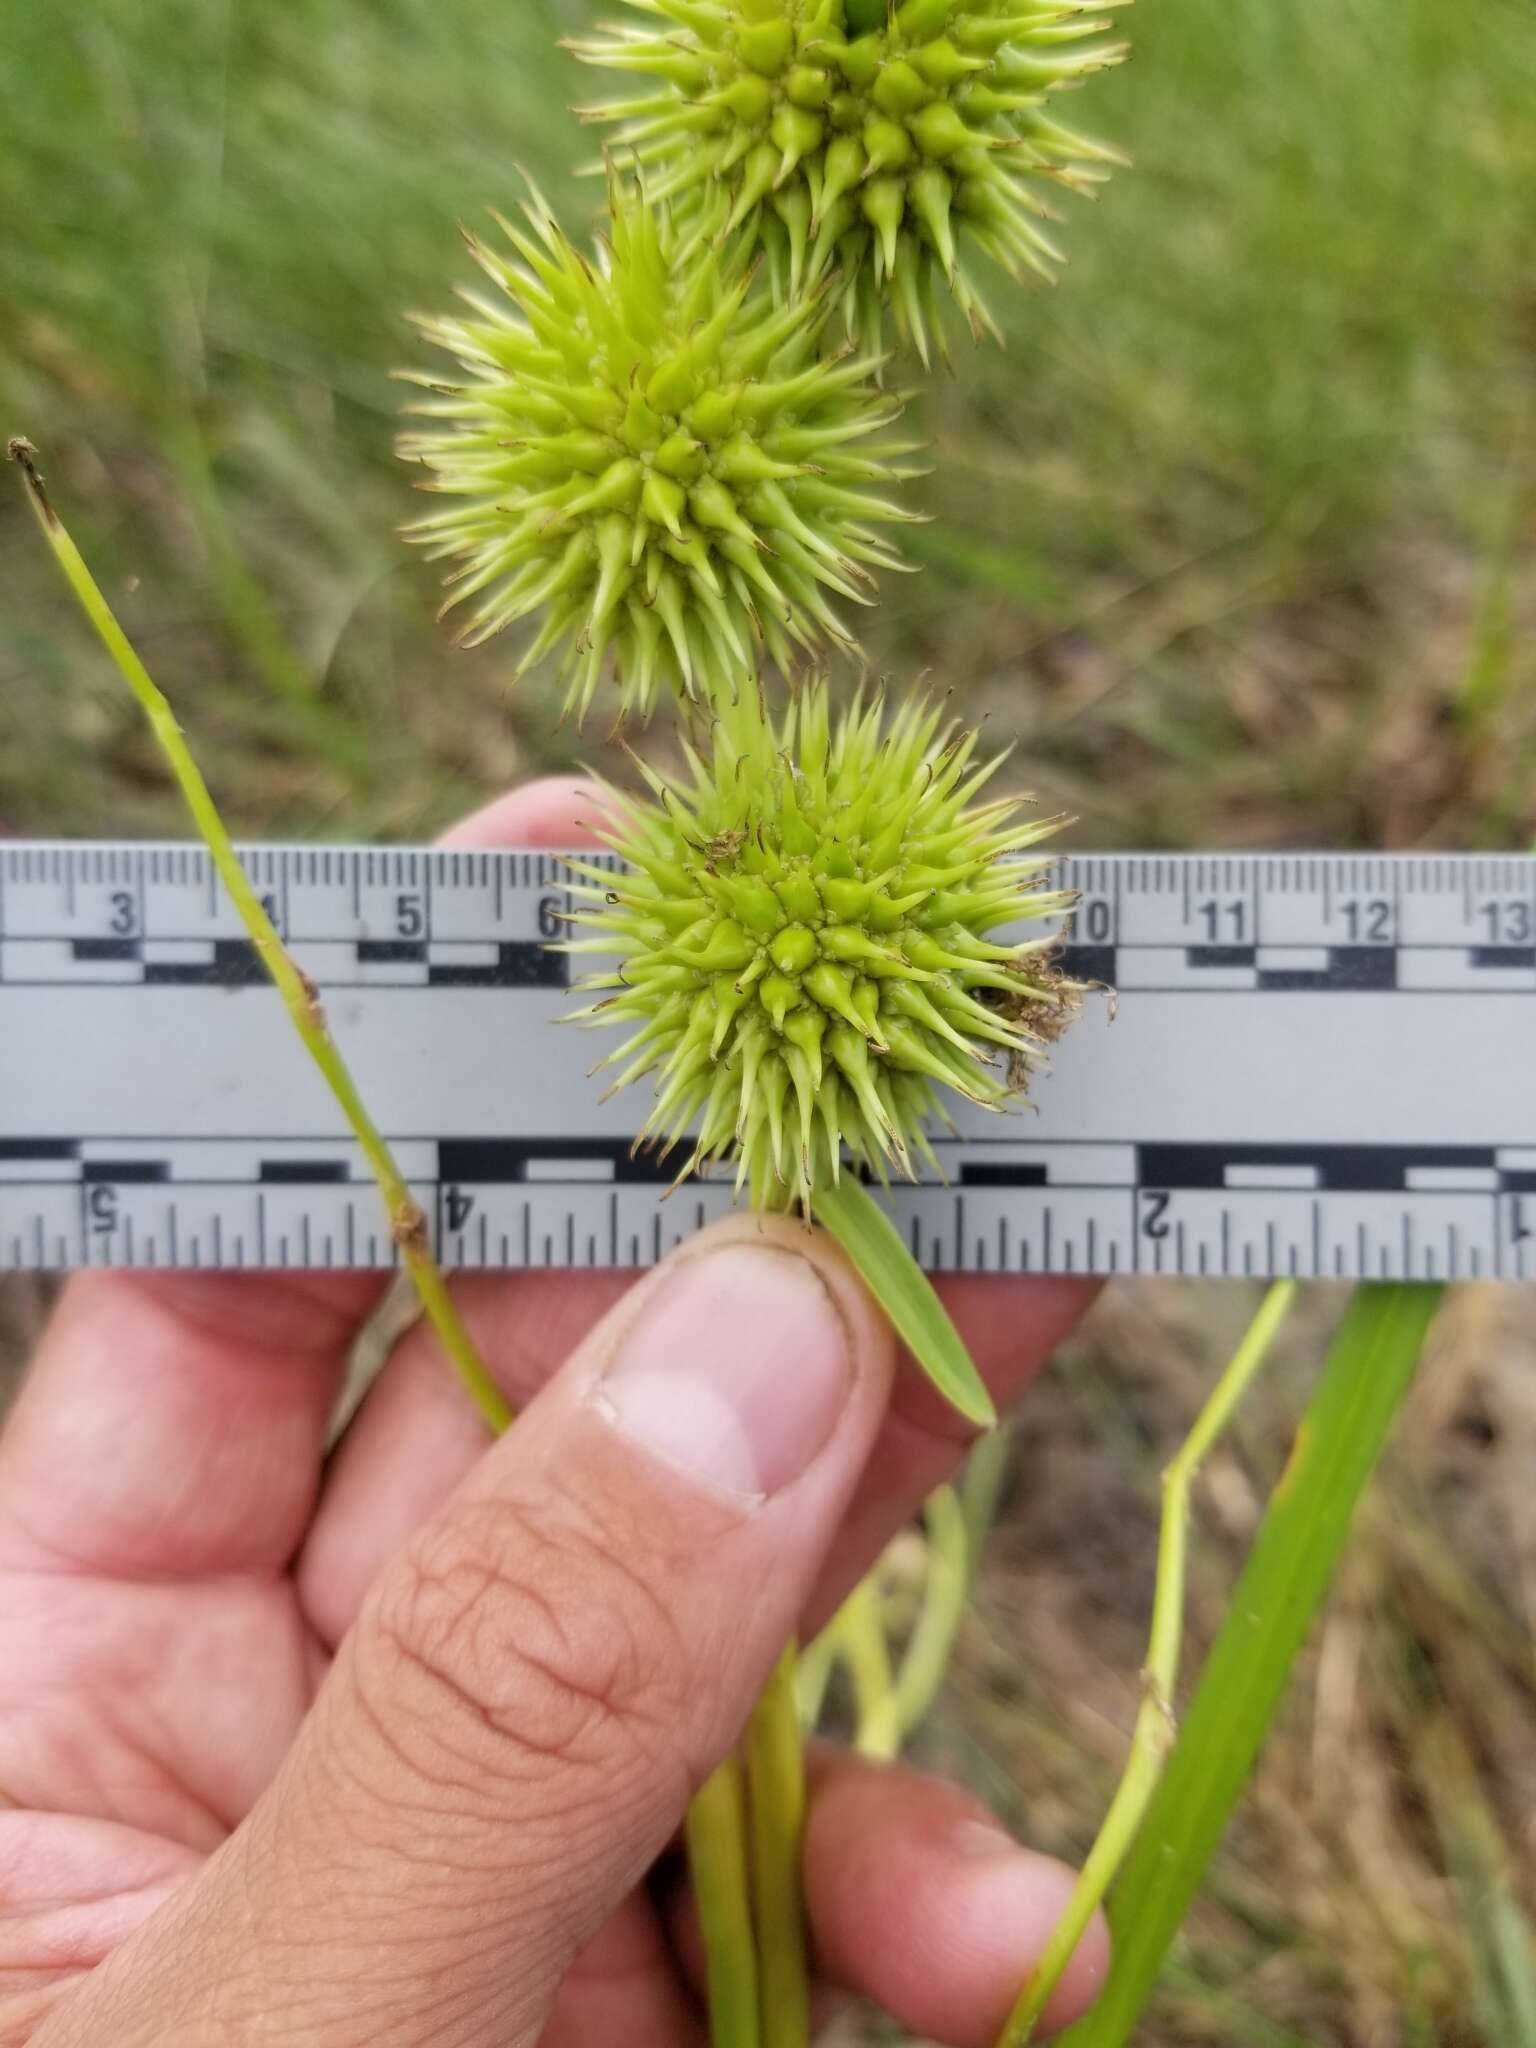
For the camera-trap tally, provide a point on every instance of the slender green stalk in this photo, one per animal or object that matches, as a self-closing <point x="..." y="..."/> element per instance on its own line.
<point x="981" y="1489"/>
<point x="1368" y="1371"/>
<point x="813" y="1674"/>
<point x="717" y="1859"/>
<point x="775" y="1756"/>
<point x="865" y="1653"/>
<point x="1156" y="1727"/>
<point x="945" y="1585"/>
<point x="408" y="1226"/>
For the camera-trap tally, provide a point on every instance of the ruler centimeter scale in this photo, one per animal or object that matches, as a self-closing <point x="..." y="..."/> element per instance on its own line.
<point x="1322" y="1065"/>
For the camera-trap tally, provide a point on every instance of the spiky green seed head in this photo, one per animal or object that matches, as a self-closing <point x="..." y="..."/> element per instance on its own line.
<point x="802" y="941"/>
<point x="880" y="142"/>
<point x="655" y="458"/>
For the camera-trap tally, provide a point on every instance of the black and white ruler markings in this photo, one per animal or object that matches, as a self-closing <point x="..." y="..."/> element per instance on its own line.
<point x="1321" y="1065"/>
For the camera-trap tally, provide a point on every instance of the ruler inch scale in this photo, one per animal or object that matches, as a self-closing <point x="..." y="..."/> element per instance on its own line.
<point x="1321" y="1065"/>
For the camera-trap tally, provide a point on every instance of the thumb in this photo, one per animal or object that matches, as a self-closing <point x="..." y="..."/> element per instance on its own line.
<point x="536" y="1685"/>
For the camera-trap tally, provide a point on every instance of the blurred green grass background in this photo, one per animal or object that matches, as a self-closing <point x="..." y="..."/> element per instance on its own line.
<point x="1233" y="540"/>
<point x="1230" y="531"/>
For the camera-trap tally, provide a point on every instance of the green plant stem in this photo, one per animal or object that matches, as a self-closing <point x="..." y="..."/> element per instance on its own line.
<point x="981" y="1489"/>
<point x="1368" y="1371"/>
<point x="1155" y="1729"/>
<point x="813" y="1674"/>
<point x="408" y="1226"/>
<point x="775" y="1756"/>
<point x="945" y="1585"/>
<point x="865" y="1653"/>
<point x="717" y="1861"/>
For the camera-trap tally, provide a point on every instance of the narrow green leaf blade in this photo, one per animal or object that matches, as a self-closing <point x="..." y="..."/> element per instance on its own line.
<point x="850" y="1214"/>
<point x="1369" y="1368"/>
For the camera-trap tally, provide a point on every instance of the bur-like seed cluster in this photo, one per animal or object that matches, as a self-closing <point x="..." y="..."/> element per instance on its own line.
<point x="826" y="929"/>
<point x="878" y="142"/>
<point x="655" y="457"/>
<point x="802" y="941"/>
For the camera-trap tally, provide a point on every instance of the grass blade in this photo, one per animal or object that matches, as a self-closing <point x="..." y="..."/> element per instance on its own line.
<point x="850" y="1214"/>
<point x="718" y="1871"/>
<point x="1369" y="1368"/>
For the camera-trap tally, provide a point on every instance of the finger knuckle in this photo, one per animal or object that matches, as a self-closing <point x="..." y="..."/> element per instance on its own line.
<point x="510" y="1642"/>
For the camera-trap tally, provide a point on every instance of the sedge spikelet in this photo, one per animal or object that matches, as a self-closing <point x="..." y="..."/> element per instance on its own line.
<point x="655" y="458"/>
<point x="800" y="941"/>
<point x="881" y="143"/>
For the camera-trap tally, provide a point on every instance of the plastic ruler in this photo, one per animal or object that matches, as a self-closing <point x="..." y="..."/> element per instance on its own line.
<point x="1320" y="1065"/>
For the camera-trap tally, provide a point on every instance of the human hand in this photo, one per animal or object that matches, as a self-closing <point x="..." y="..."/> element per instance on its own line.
<point x="389" y="1747"/>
